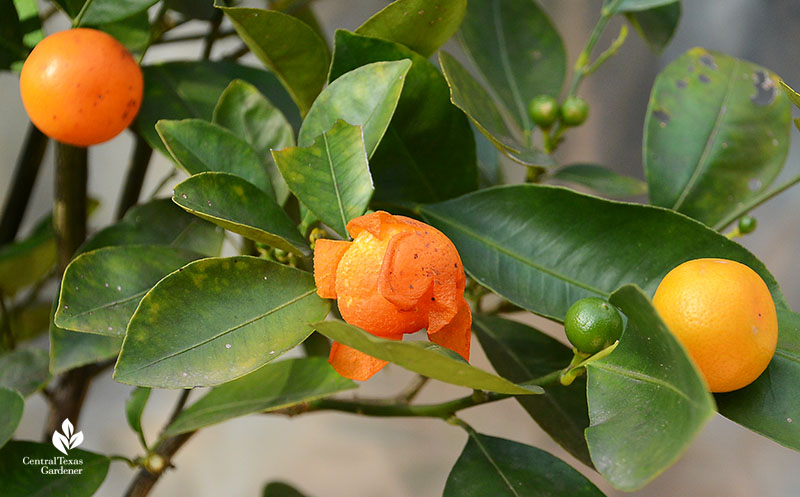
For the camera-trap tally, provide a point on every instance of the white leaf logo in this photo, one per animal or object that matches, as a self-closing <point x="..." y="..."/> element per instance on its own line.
<point x="67" y="440"/>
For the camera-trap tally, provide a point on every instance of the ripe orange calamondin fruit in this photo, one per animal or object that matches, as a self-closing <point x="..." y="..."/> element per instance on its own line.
<point x="723" y="313"/>
<point x="81" y="87"/>
<point x="397" y="276"/>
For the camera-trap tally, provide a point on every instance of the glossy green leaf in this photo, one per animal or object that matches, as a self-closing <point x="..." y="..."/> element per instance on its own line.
<point x="236" y="205"/>
<point x="364" y="97"/>
<point x="20" y="30"/>
<point x="793" y="95"/>
<point x="106" y="11"/>
<point x="24" y="370"/>
<point x="72" y="349"/>
<point x="280" y="489"/>
<point x="160" y="222"/>
<point x="770" y="406"/>
<point x="489" y="171"/>
<point x="216" y="320"/>
<point x="330" y="177"/>
<point x="191" y="89"/>
<point x="278" y="385"/>
<point x="716" y="135"/>
<point x="601" y="180"/>
<point x="133" y="31"/>
<point x="656" y="26"/>
<point x="472" y="98"/>
<point x="27" y="480"/>
<point x="427" y="359"/>
<point x="291" y="49"/>
<point x="517" y="50"/>
<point x="27" y="261"/>
<point x="503" y="468"/>
<point x="199" y="146"/>
<point x="544" y="247"/>
<point x="11" y="413"/>
<point x="636" y="5"/>
<point x="193" y="9"/>
<point x="134" y="407"/>
<point x="421" y="25"/>
<point x="521" y="353"/>
<point x="428" y="152"/>
<point x="647" y="399"/>
<point x="250" y="115"/>
<point x="101" y="289"/>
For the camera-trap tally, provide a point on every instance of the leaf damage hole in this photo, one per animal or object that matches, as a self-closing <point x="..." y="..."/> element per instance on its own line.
<point x="766" y="90"/>
<point x="681" y="83"/>
<point x="703" y="78"/>
<point x="662" y="116"/>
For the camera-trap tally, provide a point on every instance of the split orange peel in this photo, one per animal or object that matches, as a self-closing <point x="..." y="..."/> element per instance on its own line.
<point x="397" y="276"/>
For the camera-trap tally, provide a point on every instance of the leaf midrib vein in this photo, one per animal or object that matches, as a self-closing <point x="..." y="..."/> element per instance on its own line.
<point x="227" y="331"/>
<point x="335" y="181"/>
<point x="506" y="63"/>
<point x="639" y="376"/>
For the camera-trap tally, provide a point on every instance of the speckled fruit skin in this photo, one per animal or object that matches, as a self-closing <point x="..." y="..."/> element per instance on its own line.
<point x="81" y="87"/>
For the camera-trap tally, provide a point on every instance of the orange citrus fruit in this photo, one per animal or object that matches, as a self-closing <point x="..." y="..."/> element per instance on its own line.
<point x="81" y="87"/>
<point x="723" y="314"/>
<point x="397" y="276"/>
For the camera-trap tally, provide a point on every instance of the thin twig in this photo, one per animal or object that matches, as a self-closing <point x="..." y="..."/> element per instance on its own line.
<point x="140" y="160"/>
<point x="21" y="185"/>
<point x="213" y="34"/>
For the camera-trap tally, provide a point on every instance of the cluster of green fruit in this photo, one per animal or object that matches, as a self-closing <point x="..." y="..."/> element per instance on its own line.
<point x="545" y="111"/>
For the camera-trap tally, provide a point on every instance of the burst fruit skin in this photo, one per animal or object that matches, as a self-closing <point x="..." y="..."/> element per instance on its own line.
<point x="397" y="276"/>
<point x="723" y="314"/>
<point x="81" y="87"/>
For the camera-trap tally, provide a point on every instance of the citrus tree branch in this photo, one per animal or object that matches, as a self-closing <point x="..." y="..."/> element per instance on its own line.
<point x="21" y="185"/>
<point x="140" y="161"/>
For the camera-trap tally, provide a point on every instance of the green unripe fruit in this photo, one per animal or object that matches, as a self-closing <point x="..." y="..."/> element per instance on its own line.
<point x="574" y="111"/>
<point x="543" y="110"/>
<point x="592" y="324"/>
<point x="747" y="224"/>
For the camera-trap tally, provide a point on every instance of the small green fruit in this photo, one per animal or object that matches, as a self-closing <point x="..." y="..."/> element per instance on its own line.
<point x="574" y="111"/>
<point x="543" y="110"/>
<point x="592" y="324"/>
<point x="747" y="224"/>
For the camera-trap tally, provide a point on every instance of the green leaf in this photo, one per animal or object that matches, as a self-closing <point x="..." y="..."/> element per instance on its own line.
<point x="29" y="260"/>
<point x="11" y="413"/>
<point x="517" y="50"/>
<point x="428" y="152"/>
<point x="160" y="222"/>
<point x="133" y="31"/>
<point x="106" y="11"/>
<point x="134" y="407"/>
<point x="472" y="98"/>
<point x="24" y="370"/>
<point x="250" y="115"/>
<point x="543" y="247"/>
<point x="427" y="359"/>
<point x="193" y="9"/>
<point x="716" y="135"/>
<point x="503" y="468"/>
<point x="421" y="25"/>
<point x="199" y="146"/>
<point x="238" y="206"/>
<point x="30" y="321"/>
<point x="216" y="320"/>
<point x="364" y="97"/>
<point x="490" y="173"/>
<point x="71" y="349"/>
<point x="770" y="406"/>
<point x="191" y="89"/>
<point x="27" y="480"/>
<point x="331" y="177"/>
<point x="601" y="180"/>
<point x="278" y="385"/>
<point x="20" y="30"/>
<point x="647" y="400"/>
<point x="638" y="5"/>
<point x="291" y="49"/>
<point x="793" y="95"/>
<point x="521" y="353"/>
<point x="280" y="489"/>
<point x="101" y="289"/>
<point x="656" y="26"/>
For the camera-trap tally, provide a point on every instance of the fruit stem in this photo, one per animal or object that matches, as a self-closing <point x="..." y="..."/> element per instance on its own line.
<point x="69" y="211"/>
<point x="21" y="185"/>
<point x="140" y="160"/>
<point x="754" y="202"/>
<point x="77" y="21"/>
